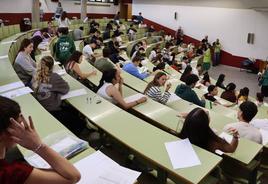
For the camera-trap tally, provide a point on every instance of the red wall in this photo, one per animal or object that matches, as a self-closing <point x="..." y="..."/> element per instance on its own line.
<point x="226" y="57"/>
<point x="15" y="18"/>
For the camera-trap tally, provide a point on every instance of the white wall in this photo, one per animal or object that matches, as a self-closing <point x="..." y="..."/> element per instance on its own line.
<point x="25" y="6"/>
<point x="229" y="25"/>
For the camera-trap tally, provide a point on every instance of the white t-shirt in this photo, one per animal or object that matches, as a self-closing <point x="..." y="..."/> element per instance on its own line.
<point x="260" y="123"/>
<point x="152" y="55"/>
<point x="246" y="130"/>
<point x="87" y="51"/>
<point x="64" y="23"/>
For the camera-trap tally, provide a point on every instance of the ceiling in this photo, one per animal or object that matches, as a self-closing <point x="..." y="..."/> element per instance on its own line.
<point x="244" y="4"/>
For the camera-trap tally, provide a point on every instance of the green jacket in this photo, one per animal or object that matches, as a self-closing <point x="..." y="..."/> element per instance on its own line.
<point x="207" y="56"/>
<point x="185" y="92"/>
<point x="264" y="79"/>
<point x="64" y="48"/>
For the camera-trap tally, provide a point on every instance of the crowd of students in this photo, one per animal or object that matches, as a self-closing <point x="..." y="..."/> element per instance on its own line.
<point x="48" y="88"/>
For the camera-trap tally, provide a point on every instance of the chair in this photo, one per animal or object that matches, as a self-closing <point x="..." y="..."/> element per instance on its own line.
<point x="17" y="28"/>
<point x="11" y="30"/>
<point x="5" y="31"/>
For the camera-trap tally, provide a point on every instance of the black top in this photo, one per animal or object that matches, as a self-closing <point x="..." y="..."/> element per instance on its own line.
<point x="210" y="97"/>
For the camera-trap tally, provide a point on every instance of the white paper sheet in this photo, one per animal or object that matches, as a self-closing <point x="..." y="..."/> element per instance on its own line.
<point x="264" y="135"/>
<point x="107" y="172"/>
<point x="221" y="100"/>
<point x="10" y="86"/>
<point x="60" y="72"/>
<point x="17" y="92"/>
<point x="4" y="57"/>
<point x="133" y="97"/>
<point x="226" y="137"/>
<point x="56" y="63"/>
<point x="173" y="97"/>
<point x="74" y="93"/>
<point x="182" y="154"/>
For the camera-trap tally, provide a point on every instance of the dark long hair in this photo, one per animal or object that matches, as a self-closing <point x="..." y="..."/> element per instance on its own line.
<point x="107" y="76"/>
<point x="186" y="73"/>
<point x="25" y="43"/>
<point x="220" y="80"/>
<point x="196" y="129"/>
<point x="154" y="82"/>
<point x="243" y="92"/>
<point x="75" y="56"/>
<point x="206" y="78"/>
<point x="8" y="109"/>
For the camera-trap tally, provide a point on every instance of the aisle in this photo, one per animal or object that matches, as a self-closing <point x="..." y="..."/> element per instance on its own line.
<point x="241" y="79"/>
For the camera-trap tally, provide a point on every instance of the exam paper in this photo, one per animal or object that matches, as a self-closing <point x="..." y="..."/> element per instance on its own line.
<point x="226" y="137"/>
<point x="74" y="93"/>
<point x="182" y="154"/>
<point x="60" y="72"/>
<point x="107" y="172"/>
<point x="10" y="86"/>
<point x="17" y="92"/>
<point x="173" y="97"/>
<point x="264" y="135"/>
<point x="133" y="97"/>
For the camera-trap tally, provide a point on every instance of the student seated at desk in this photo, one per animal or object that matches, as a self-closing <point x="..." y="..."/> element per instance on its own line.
<point x="132" y="68"/>
<point x="88" y="52"/>
<point x="213" y="91"/>
<point x="186" y="73"/>
<point x="247" y="111"/>
<point x="259" y="99"/>
<point x="48" y="88"/>
<point x="14" y="129"/>
<point x="104" y="63"/>
<point x="131" y="33"/>
<point x="220" y="81"/>
<point x="140" y="53"/>
<point x="153" y="88"/>
<point x="72" y="67"/>
<point x="64" y="47"/>
<point x="97" y="39"/>
<point x="243" y="95"/>
<point x="24" y="65"/>
<point x="206" y="79"/>
<point x="196" y="129"/>
<point x="78" y="33"/>
<point x="229" y="93"/>
<point x="110" y="92"/>
<point x="186" y="92"/>
<point x="63" y="21"/>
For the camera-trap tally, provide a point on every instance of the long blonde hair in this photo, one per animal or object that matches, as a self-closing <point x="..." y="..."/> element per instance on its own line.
<point x="154" y="82"/>
<point x="44" y="70"/>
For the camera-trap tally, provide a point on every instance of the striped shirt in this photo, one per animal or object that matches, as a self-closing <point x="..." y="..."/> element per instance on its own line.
<point x="154" y="93"/>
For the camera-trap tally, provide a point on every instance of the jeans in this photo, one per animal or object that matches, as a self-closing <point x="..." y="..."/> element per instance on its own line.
<point x="216" y="58"/>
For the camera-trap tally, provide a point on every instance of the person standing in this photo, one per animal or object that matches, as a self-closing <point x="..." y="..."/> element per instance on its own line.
<point x="217" y="52"/>
<point x="207" y="58"/>
<point x="263" y="82"/>
<point x="59" y="11"/>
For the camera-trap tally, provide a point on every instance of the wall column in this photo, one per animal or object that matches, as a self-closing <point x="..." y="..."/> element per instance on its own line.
<point x="35" y="11"/>
<point x="83" y="9"/>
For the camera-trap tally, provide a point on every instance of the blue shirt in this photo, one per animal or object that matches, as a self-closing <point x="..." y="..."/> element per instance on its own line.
<point x="133" y="70"/>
